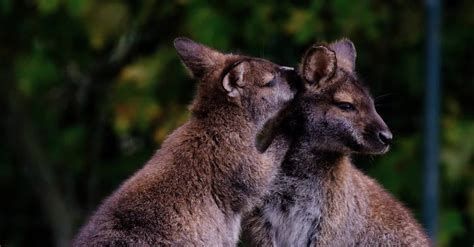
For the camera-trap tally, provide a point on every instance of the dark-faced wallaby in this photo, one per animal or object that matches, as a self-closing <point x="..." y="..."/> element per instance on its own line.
<point x="208" y="172"/>
<point x="319" y="198"/>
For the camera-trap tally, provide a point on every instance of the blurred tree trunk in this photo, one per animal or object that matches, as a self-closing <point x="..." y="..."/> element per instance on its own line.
<point x="27" y="149"/>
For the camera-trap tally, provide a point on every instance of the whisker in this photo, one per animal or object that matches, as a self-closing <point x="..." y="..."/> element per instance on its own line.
<point x="384" y="96"/>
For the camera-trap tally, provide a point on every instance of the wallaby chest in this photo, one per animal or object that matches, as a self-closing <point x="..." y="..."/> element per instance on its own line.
<point x="293" y="211"/>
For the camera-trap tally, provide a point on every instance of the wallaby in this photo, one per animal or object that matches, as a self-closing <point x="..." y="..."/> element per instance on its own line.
<point x="319" y="198"/>
<point x="208" y="172"/>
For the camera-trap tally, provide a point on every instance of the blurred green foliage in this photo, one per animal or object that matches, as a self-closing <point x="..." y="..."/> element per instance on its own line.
<point x="90" y="88"/>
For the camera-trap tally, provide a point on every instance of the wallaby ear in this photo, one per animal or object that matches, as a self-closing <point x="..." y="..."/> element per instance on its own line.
<point x="234" y="79"/>
<point x="318" y="62"/>
<point x="197" y="58"/>
<point x="345" y="54"/>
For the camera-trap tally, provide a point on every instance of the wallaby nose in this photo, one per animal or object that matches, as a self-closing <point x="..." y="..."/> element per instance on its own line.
<point x="385" y="137"/>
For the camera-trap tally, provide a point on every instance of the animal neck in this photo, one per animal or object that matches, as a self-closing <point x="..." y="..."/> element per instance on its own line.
<point x="305" y="158"/>
<point x="228" y="123"/>
<point x="333" y="179"/>
<point x="306" y="162"/>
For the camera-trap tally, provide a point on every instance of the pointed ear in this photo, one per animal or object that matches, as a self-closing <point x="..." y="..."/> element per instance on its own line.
<point x="235" y="79"/>
<point x="345" y="54"/>
<point x="318" y="62"/>
<point x="197" y="58"/>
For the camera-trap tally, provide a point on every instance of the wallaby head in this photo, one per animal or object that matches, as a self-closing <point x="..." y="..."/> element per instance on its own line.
<point x="338" y="110"/>
<point x="257" y="87"/>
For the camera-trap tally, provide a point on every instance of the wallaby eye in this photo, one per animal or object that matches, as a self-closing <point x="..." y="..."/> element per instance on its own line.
<point x="345" y="106"/>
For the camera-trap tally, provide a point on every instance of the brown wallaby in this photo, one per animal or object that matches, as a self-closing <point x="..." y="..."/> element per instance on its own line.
<point x="208" y="172"/>
<point x="319" y="198"/>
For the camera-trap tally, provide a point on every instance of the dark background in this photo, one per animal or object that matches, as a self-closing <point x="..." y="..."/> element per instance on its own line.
<point x="89" y="89"/>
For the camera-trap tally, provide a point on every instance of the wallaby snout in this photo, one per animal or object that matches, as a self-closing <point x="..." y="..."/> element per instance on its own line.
<point x="385" y="137"/>
<point x="383" y="134"/>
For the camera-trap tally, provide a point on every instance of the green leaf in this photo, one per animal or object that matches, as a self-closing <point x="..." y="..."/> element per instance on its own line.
<point x="77" y="7"/>
<point x="35" y="72"/>
<point x="451" y="223"/>
<point x="210" y="27"/>
<point x="5" y="6"/>
<point x="47" y="6"/>
<point x="106" y="21"/>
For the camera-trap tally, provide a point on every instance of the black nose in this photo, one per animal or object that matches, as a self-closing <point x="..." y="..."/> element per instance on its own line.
<point x="385" y="137"/>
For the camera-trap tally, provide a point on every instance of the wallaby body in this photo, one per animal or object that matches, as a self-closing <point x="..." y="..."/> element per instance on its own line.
<point x="319" y="198"/>
<point x="208" y="172"/>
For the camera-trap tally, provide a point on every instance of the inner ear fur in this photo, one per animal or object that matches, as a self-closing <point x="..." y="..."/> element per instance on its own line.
<point x="198" y="59"/>
<point x="234" y="79"/>
<point x="319" y="62"/>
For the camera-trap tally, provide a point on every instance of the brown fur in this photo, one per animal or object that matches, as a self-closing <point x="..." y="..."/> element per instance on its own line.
<point x="319" y="198"/>
<point x="207" y="172"/>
